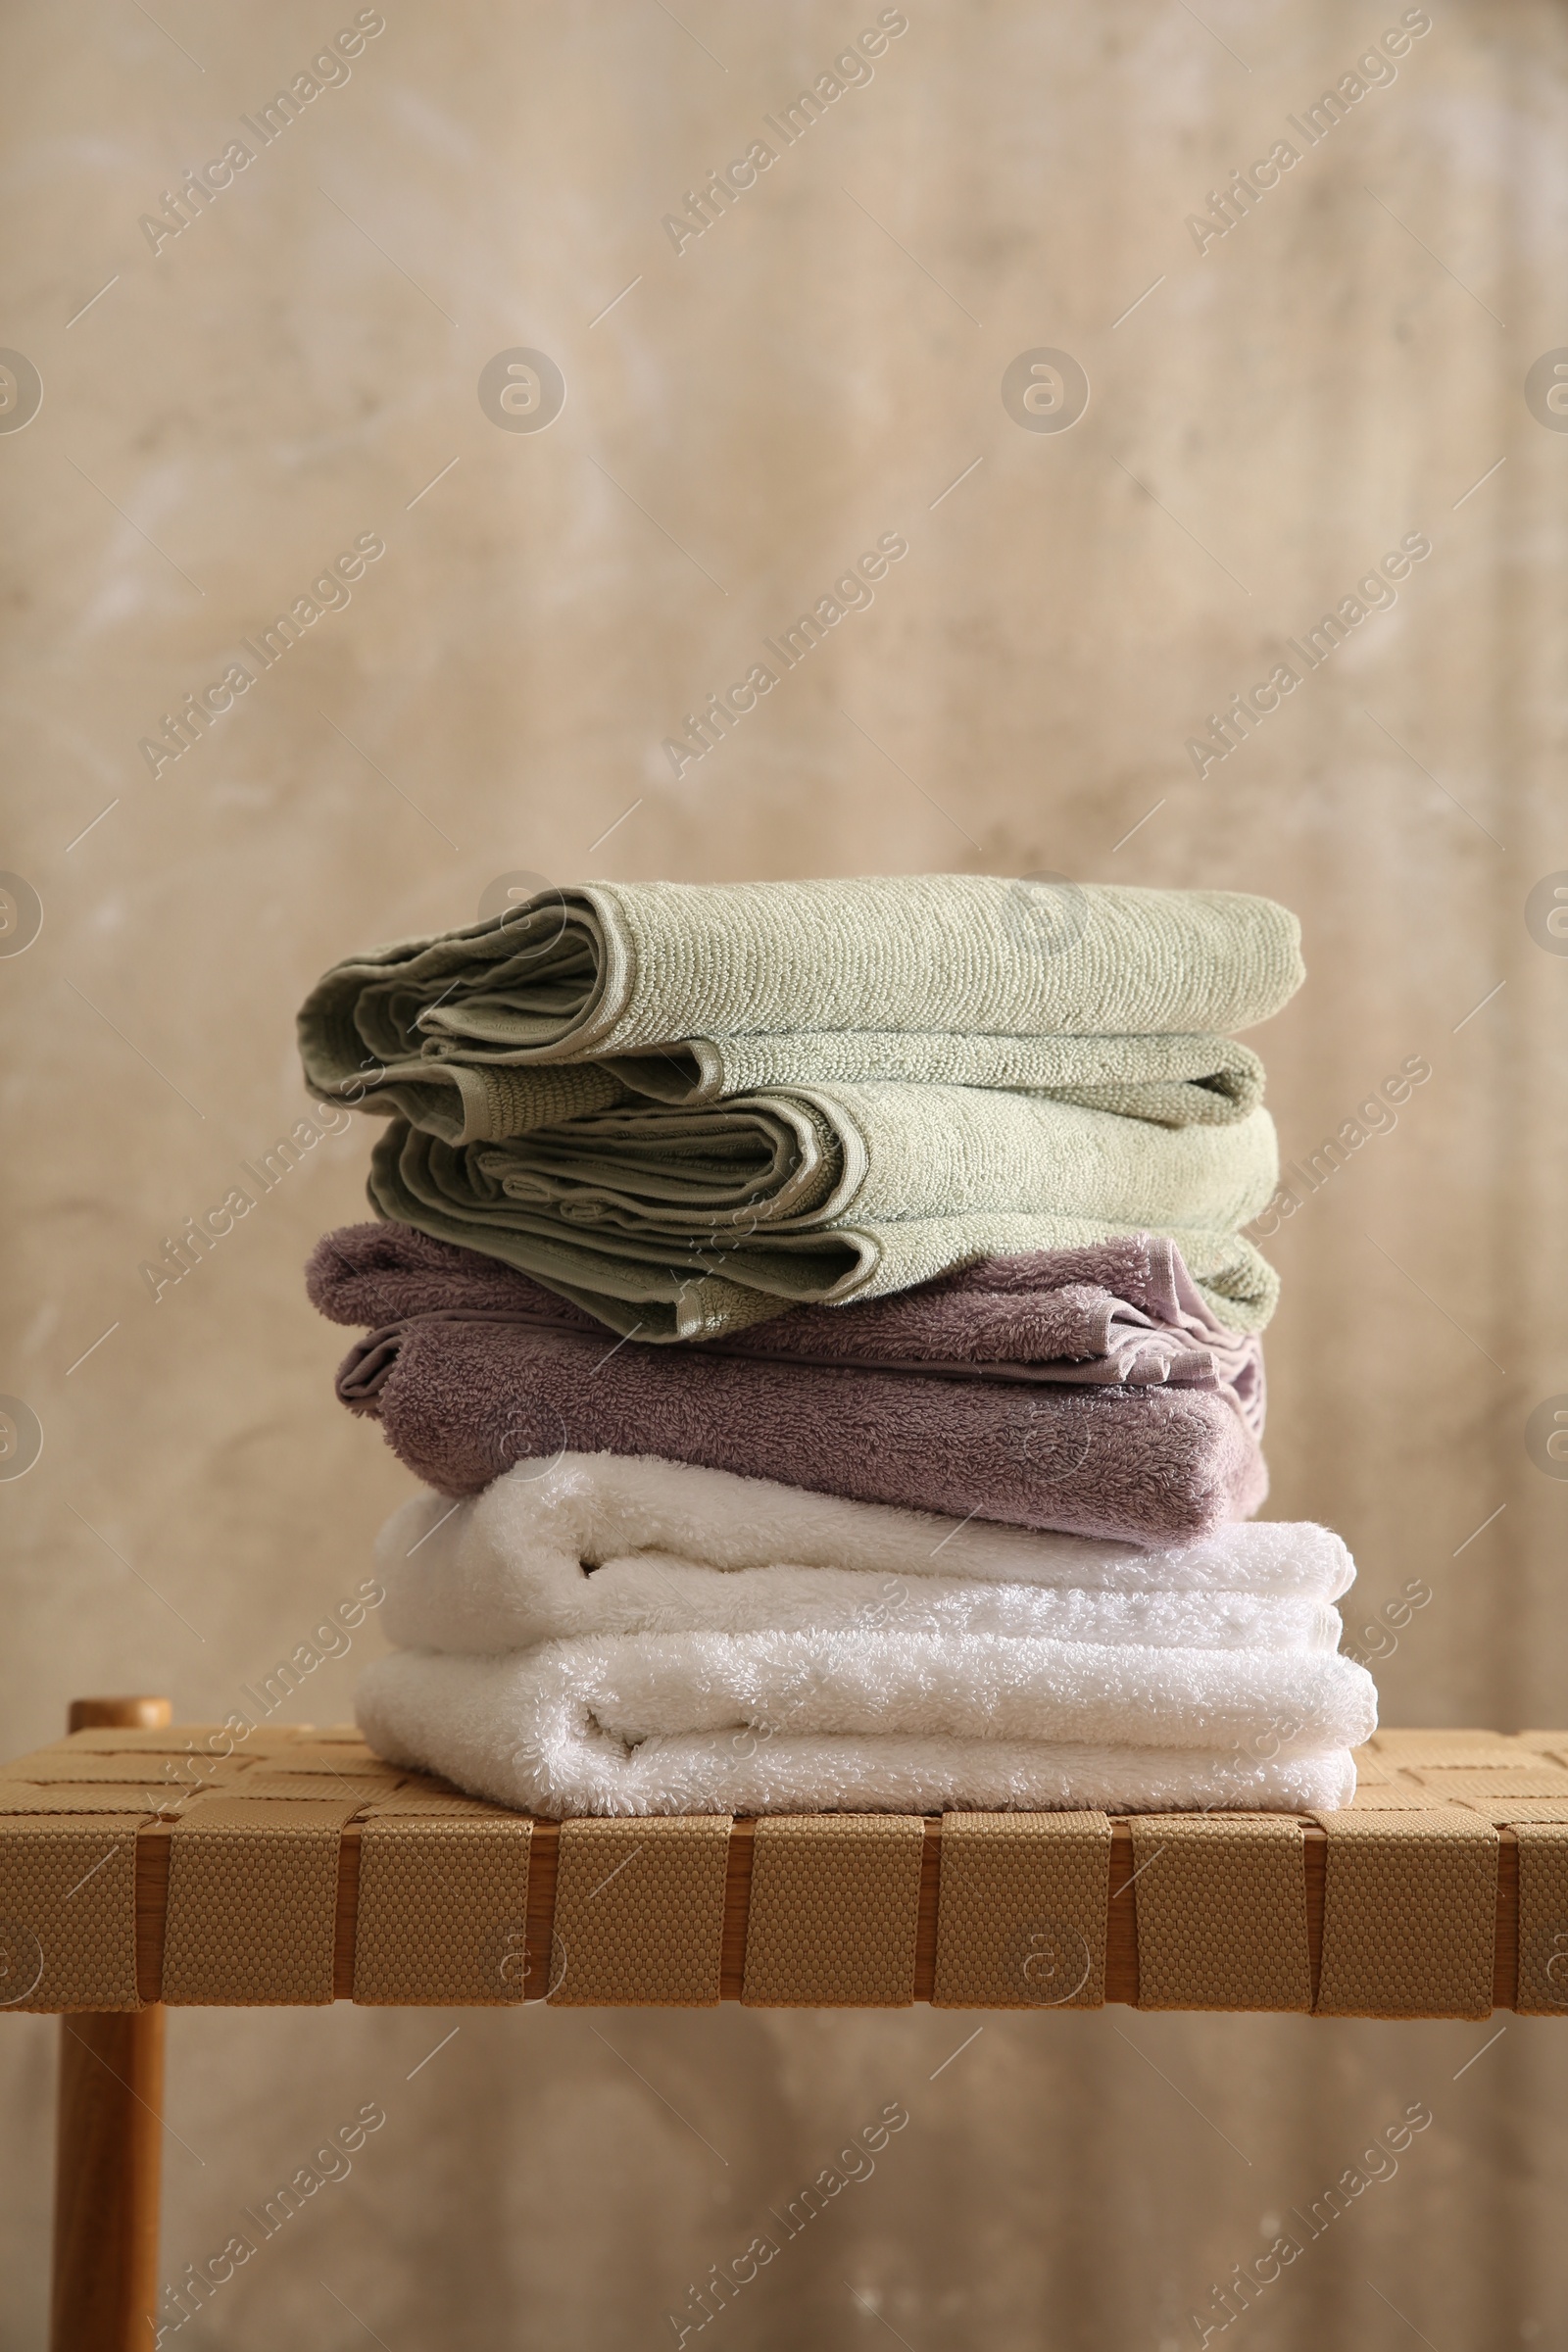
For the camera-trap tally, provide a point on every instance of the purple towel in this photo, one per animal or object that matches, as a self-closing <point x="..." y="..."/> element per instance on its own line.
<point x="1083" y="1391"/>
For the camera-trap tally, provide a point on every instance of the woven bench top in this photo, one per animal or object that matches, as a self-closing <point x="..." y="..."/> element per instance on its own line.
<point x="138" y="1866"/>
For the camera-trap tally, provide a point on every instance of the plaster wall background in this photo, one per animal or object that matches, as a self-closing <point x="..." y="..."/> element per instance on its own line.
<point x="299" y="367"/>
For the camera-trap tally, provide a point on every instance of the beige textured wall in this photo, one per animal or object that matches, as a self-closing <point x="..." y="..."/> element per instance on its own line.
<point x="293" y="370"/>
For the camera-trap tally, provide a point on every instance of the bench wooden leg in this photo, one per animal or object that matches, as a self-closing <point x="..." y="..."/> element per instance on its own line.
<point x="107" y="2180"/>
<point x="109" y="2148"/>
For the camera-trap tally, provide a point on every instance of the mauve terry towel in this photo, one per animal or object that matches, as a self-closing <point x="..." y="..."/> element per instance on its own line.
<point x="464" y="1395"/>
<point x="1122" y="1312"/>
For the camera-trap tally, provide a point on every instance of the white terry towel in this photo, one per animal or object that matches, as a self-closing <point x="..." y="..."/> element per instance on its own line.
<point x="613" y="1544"/>
<point x="806" y="1722"/>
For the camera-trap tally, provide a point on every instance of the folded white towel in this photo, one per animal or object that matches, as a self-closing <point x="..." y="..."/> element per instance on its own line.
<point x="613" y="1544"/>
<point x="800" y="1722"/>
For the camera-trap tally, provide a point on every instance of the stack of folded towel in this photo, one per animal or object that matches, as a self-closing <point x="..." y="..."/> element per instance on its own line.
<point x="830" y="1304"/>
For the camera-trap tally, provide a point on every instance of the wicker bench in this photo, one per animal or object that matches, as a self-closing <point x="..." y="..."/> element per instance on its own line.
<point x="145" y="1866"/>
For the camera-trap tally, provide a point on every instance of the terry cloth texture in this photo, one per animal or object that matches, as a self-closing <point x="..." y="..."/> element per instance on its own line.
<point x="677" y="1224"/>
<point x="1122" y="1313"/>
<point x="874" y="1722"/>
<point x="465" y="1403"/>
<point x="1169" y="1080"/>
<point x="602" y="1544"/>
<point x="927" y="965"/>
<point x="465" y="1400"/>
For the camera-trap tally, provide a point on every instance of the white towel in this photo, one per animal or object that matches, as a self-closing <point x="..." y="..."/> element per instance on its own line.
<point x="610" y="1543"/>
<point x="793" y="1722"/>
<point x="604" y="1633"/>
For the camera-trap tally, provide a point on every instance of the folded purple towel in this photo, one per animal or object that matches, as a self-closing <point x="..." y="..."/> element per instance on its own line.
<point x="1123" y="1313"/>
<point x="1082" y="1390"/>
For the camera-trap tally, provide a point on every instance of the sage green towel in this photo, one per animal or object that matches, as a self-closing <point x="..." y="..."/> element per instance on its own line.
<point x="1171" y="1081"/>
<point x="931" y="978"/>
<point x="684" y="1223"/>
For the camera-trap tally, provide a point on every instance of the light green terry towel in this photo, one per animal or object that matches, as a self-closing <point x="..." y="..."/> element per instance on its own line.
<point x="683" y="1223"/>
<point x="1107" y="996"/>
<point x="1170" y="1081"/>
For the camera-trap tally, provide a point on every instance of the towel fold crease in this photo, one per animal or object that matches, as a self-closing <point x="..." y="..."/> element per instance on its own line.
<point x="768" y="1723"/>
<point x="603" y="1543"/>
<point x="496" y="1371"/>
<point x="615" y="968"/>
<point x="690" y="1223"/>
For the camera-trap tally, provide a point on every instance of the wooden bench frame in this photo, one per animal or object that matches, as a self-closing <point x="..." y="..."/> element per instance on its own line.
<point x="110" y="2115"/>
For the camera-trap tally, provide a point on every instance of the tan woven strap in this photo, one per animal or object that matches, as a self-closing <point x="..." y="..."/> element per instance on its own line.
<point x="68" y="1912"/>
<point x="235" y="1862"/>
<point x="1404" y="1795"/>
<point x="1510" y="1811"/>
<point x="433" y="1803"/>
<point x="1445" y="1747"/>
<point x="1021" y="1911"/>
<point x="351" y="1787"/>
<point x="187" y="1738"/>
<point x="640" y="1912"/>
<point x="1543" y="1918"/>
<point x="835" y="1907"/>
<point x="114" y="1739"/>
<point x="442" y="1912"/>
<point x="1221" y="1908"/>
<point x="329" y="1755"/>
<point x="120" y="1772"/>
<point x="1540" y="1777"/>
<point x="251" y="1903"/>
<point x="1409" y="1914"/>
<point x="207" y="1742"/>
<point x="60" y="1797"/>
<point x="274" y="1741"/>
